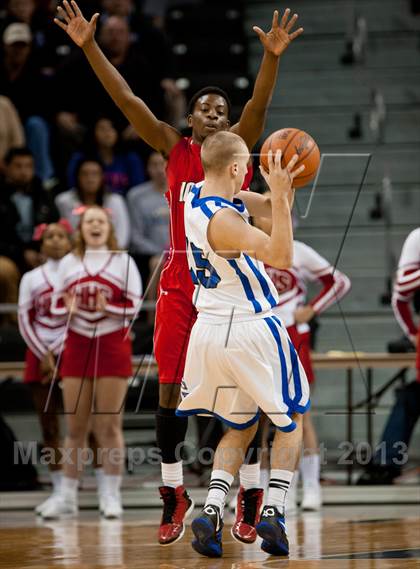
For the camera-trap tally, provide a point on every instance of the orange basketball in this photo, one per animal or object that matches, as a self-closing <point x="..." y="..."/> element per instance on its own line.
<point x="293" y="141"/>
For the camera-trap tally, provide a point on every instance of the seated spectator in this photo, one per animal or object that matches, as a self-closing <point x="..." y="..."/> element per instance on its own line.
<point x="149" y="214"/>
<point x="123" y="170"/>
<point x="11" y="129"/>
<point x="29" y="90"/>
<point x="90" y="189"/>
<point x="33" y="203"/>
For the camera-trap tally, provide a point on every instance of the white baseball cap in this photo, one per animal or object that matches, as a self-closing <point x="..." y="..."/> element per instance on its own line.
<point x="17" y="32"/>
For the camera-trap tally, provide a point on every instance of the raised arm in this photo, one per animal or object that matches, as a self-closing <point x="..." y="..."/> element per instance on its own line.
<point x="251" y="124"/>
<point x="158" y="134"/>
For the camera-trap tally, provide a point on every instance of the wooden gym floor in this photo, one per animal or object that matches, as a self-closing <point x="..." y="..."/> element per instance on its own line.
<point x="356" y="537"/>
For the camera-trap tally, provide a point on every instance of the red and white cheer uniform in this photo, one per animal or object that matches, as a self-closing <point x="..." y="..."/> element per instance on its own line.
<point x="98" y="343"/>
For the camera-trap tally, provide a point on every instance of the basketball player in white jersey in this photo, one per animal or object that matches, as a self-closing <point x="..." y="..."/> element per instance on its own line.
<point x="240" y="358"/>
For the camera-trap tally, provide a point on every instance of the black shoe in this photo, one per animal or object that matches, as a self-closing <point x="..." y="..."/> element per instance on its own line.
<point x="400" y="346"/>
<point x="207" y="529"/>
<point x="379" y="474"/>
<point x="272" y="529"/>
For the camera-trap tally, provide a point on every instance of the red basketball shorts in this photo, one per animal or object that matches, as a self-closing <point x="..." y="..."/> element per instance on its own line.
<point x="175" y="316"/>
<point x="104" y="356"/>
<point x="302" y="344"/>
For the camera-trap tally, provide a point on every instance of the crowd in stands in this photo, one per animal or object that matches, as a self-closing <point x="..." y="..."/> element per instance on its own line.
<point x="64" y="143"/>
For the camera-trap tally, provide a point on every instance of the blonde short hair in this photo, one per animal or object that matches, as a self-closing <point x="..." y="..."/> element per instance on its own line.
<point x="219" y="150"/>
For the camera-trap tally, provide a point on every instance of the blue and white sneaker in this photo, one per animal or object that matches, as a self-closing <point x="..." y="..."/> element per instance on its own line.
<point x="272" y="529"/>
<point x="207" y="529"/>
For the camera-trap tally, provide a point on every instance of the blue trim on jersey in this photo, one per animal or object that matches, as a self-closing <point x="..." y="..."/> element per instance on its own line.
<point x="284" y="379"/>
<point x="295" y="366"/>
<point x="238" y="426"/>
<point x="246" y="284"/>
<point x="263" y="282"/>
<point x="206" y="210"/>
<point x="199" y="202"/>
<point x="287" y="429"/>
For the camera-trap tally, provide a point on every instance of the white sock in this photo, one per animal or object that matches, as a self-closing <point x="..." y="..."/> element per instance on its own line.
<point x="264" y="478"/>
<point x="249" y="476"/>
<point x="277" y="488"/>
<point x="172" y="474"/>
<point x="69" y="487"/>
<point x="56" y="478"/>
<point x="309" y="469"/>
<point x="112" y="484"/>
<point x="100" y="480"/>
<point x="219" y="487"/>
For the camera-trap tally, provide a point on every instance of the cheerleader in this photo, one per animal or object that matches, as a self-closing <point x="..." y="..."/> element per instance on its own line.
<point x="98" y="290"/>
<point x="43" y="335"/>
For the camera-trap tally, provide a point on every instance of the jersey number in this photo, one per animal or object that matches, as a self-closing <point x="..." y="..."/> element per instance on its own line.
<point x="204" y="274"/>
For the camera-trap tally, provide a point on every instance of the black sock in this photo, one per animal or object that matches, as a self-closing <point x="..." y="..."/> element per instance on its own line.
<point x="170" y="434"/>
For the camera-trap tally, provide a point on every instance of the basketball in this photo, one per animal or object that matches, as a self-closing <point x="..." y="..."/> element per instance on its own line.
<point x="293" y="141"/>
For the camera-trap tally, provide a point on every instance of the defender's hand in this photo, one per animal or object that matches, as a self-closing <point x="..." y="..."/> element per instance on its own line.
<point x="277" y="40"/>
<point x="71" y="20"/>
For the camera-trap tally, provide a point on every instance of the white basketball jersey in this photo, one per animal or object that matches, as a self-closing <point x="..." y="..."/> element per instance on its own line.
<point x="237" y="288"/>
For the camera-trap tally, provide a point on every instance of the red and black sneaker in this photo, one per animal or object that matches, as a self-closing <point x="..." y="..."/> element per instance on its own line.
<point x="247" y="514"/>
<point x="177" y="506"/>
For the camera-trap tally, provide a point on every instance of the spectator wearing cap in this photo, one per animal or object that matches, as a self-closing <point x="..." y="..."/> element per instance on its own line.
<point x="46" y="42"/>
<point x="29" y="90"/>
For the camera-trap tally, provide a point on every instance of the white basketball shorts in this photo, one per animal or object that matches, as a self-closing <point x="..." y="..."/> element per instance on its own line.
<point x="233" y="371"/>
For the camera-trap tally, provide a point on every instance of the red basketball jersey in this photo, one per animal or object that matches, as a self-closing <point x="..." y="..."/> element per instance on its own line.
<point x="184" y="169"/>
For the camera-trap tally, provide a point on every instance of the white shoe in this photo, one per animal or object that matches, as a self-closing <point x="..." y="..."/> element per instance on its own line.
<point x="59" y="506"/>
<point x="44" y="504"/>
<point x="312" y="497"/>
<point x="111" y="507"/>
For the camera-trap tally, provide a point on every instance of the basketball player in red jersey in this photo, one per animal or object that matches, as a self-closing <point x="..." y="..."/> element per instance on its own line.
<point x="175" y="315"/>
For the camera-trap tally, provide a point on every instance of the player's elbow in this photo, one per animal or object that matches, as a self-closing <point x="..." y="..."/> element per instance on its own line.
<point x="280" y="260"/>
